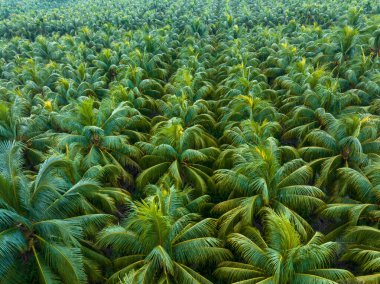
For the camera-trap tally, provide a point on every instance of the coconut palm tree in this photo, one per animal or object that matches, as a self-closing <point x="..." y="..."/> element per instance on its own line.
<point x="101" y="135"/>
<point x="357" y="202"/>
<point x="349" y="142"/>
<point x="190" y="113"/>
<point x="182" y="153"/>
<point x="304" y="120"/>
<point x="41" y="232"/>
<point x="281" y="255"/>
<point x="249" y="107"/>
<point x="364" y="250"/>
<point x="19" y="122"/>
<point x="260" y="181"/>
<point x="250" y="132"/>
<point x="161" y="242"/>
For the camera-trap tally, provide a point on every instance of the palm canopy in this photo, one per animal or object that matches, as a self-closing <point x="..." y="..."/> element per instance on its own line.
<point x="249" y="107"/>
<point x="19" y="121"/>
<point x="364" y="250"/>
<point x="190" y="83"/>
<point x="182" y="153"/>
<point x="200" y="119"/>
<point x="357" y="201"/>
<point x="241" y="136"/>
<point x="258" y="181"/>
<point x="349" y="142"/>
<point x="190" y="113"/>
<point x="281" y="254"/>
<point x="302" y="120"/>
<point x="250" y="132"/>
<point x="44" y="221"/>
<point x="161" y="240"/>
<point x="101" y="135"/>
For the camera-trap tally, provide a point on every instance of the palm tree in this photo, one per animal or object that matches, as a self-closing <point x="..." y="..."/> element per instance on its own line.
<point x="184" y="154"/>
<point x="191" y="84"/>
<point x="259" y="181"/>
<point x="42" y="233"/>
<point x="143" y="72"/>
<point x="101" y="135"/>
<point x="346" y="39"/>
<point x="280" y="255"/>
<point x="357" y="202"/>
<point x="19" y="122"/>
<point x="190" y="113"/>
<point x="349" y="142"/>
<point x="162" y="242"/>
<point x="250" y="132"/>
<point x="174" y="201"/>
<point x="146" y="105"/>
<point x="304" y="120"/>
<point x="363" y="249"/>
<point x="249" y="107"/>
<point x="107" y="61"/>
<point x="320" y="91"/>
<point x="89" y="81"/>
<point x="239" y="137"/>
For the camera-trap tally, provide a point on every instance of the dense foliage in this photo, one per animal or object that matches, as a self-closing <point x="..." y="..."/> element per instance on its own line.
<point x="176" y="141"/>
